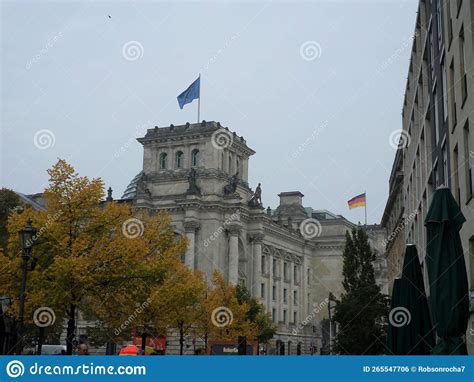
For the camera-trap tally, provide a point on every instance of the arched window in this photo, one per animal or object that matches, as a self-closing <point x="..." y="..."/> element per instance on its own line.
<point x="195" y="157"/>
<point x="179" y="159"/>
<point x="229" y="165"/>
<point x="163" y="157"/>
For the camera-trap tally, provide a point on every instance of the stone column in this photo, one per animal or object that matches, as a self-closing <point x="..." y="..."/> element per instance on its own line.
<point x="281" y="287"/>
<point x="190" y="226"/>
<point x="304" y="287"/>
<point x="257" y="263"/>
<point x="233" y="231"/>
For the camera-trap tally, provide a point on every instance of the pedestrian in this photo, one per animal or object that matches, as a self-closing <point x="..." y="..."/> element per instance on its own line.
<point x="83" y="349"/>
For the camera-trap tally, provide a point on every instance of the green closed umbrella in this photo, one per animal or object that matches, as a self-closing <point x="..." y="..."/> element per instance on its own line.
<point x="447" y="273"/>
<point x="410" y="330"/>
<point x="396" y="333"/>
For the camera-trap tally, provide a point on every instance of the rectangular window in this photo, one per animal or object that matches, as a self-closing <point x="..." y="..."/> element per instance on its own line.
<point x="262" y="265"/>
<point x="262" y="290"/>
<point x="450" y="22"/>
<point x="436" y="175"/>
<point x="308" y="276"/>
<point x="274" y="315"/>
<point x="274" y="293"/>
<point x="459" y="3"/>
<point x="467" y="163"/>
<point x="295" y="297"/>
<point x="462" y="66"/>
<point x="471" y="257"/>
<point x="432" y="58"/>
<point x="295" y="317"/>
<point x="439" y="19"/>
<point x="452" y="95"/>
<point x="284" y="316"/>
<point x="274" y="267"/>
<point x="445" y="90"/>
<point x="295" y="274"/>
<point x="436" y="115"/>
<point x="285" y="295"/>
<point x="445" y="165"/>
<point x="457" y="191"/>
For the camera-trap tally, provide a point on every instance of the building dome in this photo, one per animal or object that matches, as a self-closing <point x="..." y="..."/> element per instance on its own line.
<point x="131" y="190"/>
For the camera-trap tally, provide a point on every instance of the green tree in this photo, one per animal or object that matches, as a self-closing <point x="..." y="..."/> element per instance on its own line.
<point x="8" y="201"/>
<point x="178" y="303"/>
<point x="95" y="257"/>
<point x="362" y="310"/>
<point x="256" y="314"/>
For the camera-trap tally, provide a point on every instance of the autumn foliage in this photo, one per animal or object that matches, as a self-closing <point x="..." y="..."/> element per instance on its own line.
<point x="109" y="262"/>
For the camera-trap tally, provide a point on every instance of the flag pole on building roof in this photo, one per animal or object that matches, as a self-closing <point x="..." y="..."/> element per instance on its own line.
<point x="365" y="192"/>
<point x="199" y="99"/>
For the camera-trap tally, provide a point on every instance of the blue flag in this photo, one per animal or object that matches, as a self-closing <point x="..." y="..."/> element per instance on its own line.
<point x="190" y="94"/>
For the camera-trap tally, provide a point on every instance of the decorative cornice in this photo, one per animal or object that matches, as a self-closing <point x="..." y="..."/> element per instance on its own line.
<point x="256" y="238"/>
<point x="191" y="225"/>
<point x="281" y="254"/>
<point x="234" y="228"/>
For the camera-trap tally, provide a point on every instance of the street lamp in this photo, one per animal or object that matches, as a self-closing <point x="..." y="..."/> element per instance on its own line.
<point x="331" y="298"/>
<point x="26" y="242"/>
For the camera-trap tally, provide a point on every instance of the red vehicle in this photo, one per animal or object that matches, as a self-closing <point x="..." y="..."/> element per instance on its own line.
<point x="154" y="346"/>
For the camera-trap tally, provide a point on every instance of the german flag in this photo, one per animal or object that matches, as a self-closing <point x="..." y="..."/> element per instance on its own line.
<point x="357" y="201"/>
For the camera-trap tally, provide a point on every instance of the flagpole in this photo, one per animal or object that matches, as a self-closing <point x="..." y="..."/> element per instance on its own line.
<point x="199" y="99"/>
<point x="365" y="192"/>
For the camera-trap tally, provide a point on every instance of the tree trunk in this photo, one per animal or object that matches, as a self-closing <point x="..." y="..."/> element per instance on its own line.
<point x="40" y="340"/>
<point x="181" y="340"/>
<point x="111" y="348"/>
<point x="71" y="329"/>
<point x="144" y="336"/>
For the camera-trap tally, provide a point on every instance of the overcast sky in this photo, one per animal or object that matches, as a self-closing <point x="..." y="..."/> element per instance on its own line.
<point x="316" y="88"/>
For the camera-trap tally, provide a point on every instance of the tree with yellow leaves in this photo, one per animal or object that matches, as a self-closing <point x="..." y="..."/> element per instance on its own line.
<point x="88" y="252"/>
<point x="178" y="303"/>
<point x="225" y="317"/>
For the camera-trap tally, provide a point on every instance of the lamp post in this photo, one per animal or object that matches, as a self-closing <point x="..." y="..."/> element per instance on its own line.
<point x="26" y="242"/>
<point x="331" y="298"/>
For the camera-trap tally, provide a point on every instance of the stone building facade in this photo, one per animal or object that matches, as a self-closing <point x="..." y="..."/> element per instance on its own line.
<point x="436" y="145"/>
<point x="459" y="30"/>
<point x="290" y="258"/>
